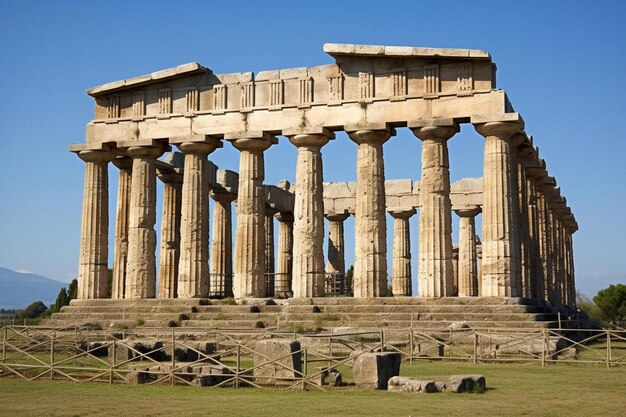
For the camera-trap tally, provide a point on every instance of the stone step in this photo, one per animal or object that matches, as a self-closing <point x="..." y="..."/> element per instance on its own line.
<point x="127" y="310"/>
<point x="411" y="301"/>
<point x="452" y="317"/>
<point x="142" y="302"/>
<point x="314" y="324"/>
<point x="304" y="309"/>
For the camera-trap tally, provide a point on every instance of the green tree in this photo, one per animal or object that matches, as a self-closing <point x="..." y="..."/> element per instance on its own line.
<point x="72" y="290"/>
<point x="612" y="302"/>
<point x="585" y="304"/>
<point x="33" y="311"/>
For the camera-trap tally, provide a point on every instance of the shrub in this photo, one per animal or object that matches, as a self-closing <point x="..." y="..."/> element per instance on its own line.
<point x="183" y="317"/>
<point x="172" y="323"/>
<point x="259" y="325"/>
<point x="255" y="309"/>
<point x="612" y="302"/>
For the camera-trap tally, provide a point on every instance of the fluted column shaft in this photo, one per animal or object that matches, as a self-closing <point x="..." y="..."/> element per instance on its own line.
<point x="94" y="249"/>
<point x="370" y="224"/>
<point x="308" y="221"/>
<point x="170" y="235"/>
<point x="120" y="252"/>
<point x="401" y="284"/>
<point x="221" y="278"/>
<point x="249" y="262"/>
<point x="528" y="288"/>
<point x="336" y="265"/>
<point x="467" y="271"/>
<point x="270" y="261"/>
<point x="284" y="265"/>
<point x="500" y="245"/>
<point x="193" y="267"/>
<point x="436" y="274"/>
<point x="141" y="264"/>
<point x="534" y="237"/>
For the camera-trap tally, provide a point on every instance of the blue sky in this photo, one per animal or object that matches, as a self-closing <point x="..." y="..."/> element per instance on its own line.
<point x="561" y="63"/>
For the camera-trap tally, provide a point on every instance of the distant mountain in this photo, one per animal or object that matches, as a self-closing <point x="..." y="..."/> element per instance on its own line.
<point x="18" y="290"/>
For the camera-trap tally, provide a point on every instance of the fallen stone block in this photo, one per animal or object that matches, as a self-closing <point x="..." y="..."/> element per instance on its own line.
<point x="466" y="383"/>
<point x="373" y="370"/>
<point x="329" y="376"/>
<point x="209" y="375"/>
<point x="190" y="350"/>
<point x="269" y="369"/>
<point x="407" y="384"/>
<point x="133" y="349"/>
<point x="137" y="375"/>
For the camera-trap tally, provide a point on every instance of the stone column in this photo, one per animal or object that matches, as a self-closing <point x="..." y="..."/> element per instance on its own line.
<point x="370" y="225"/>
<point x="544" y="239"/>
<point x="436" y="278"/>
<point x="141" y="265"/>
<point x="336" y="265"/>
<point x="170" y="234"/>
<point x="500" y="263"/>
<point x="401" y="267"/>
<point x="284" y="266"/>
<point x="221" y="278"/>
<point x="468" y="265"/>
<point x="270" y="265"/>
<point x="249" y="262"/>
<point x="308" y="217"/>
<point x="193" y="267"/>
<point x="534" y="169"/>
<point x="94" y="242"/>
<point x="520" y="153"/>
<point x="120" y="252"/>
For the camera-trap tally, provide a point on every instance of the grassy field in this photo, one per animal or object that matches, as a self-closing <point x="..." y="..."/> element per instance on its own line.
<point x="513" y="390"/>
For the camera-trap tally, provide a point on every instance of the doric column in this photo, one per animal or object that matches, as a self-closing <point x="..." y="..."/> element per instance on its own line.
<point x="547" y="187"/>
<point x="308" y="217"/>
<point x="249" y="262"/>
<point x="467" y="270"/>
<point x="120" y="252"/>
<point x="284" y="265"/>
<point x="193" y="267"/>
<point x="94" y="240"/>
<point x="336" y="265"/>
<point x="436" y="278"/>
<point x="500" y="245"/>
<point x="270" y="264"/>
<point x="534" y="170"/>
<point x="170" y="233"/>
<point x="141" y="264"/>
<point x="221" y="278"/>
<point x="520" y="152"/>
<point x="370" y="226"/>
<point x="401" y="265"/>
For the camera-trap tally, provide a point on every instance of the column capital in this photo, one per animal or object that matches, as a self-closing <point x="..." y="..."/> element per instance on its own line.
<point x="123" y="162"/>
<point x="251" y="141"/>
<point x="310" y="139"/>
<point x="222" y="196"/>
<point x="270" y="211"/>
<point x="337" y="217"/>
<point x="375" y="133"/>
<point x="202" y="147"/>
<point x="468" y="212"/>
<point x="507" y="129"/>
<point x="96" y="155"/>
<point x="434" y="129"/>
<point x="284" y="217"/>
<point x="401" y="213"/>
<point x="169" y="177"/>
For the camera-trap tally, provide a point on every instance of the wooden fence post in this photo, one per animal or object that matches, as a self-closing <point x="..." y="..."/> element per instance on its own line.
<point x="304" y="371"/>
<point x="52" y="355"/>
<point x="238" y="365"/>
<point x="173" y="358"/>
<point x="411" y="343"/>
<point x="543" y="347"/>
<point x="608" y="349"/>
<point x="475" y="346"/>
<point x="4" y="343"/>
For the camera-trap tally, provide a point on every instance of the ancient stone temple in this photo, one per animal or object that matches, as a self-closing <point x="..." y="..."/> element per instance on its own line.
<point x="164" y="126"/>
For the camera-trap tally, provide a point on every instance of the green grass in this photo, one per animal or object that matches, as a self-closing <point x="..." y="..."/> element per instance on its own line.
<point x="513" y="390"/>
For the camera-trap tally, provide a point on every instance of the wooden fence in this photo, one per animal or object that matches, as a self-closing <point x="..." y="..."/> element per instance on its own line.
<point x="82" y="355"/>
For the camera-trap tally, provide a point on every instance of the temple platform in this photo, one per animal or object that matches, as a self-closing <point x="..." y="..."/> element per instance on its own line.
<point x="304" y="314"/>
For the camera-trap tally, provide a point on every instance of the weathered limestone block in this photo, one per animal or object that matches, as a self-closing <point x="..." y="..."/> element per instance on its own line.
<point x="187" y="351"/>
<point x="132" y="350"/>
<point x="328" y="376"/>
<point x="373" y="370"/>
<point x="285" y="363"/>
<point x="210" y="375"/>
<point x="138" y="375"/>
<point x="406" y="384"/>
<point x="466" y="383"/>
